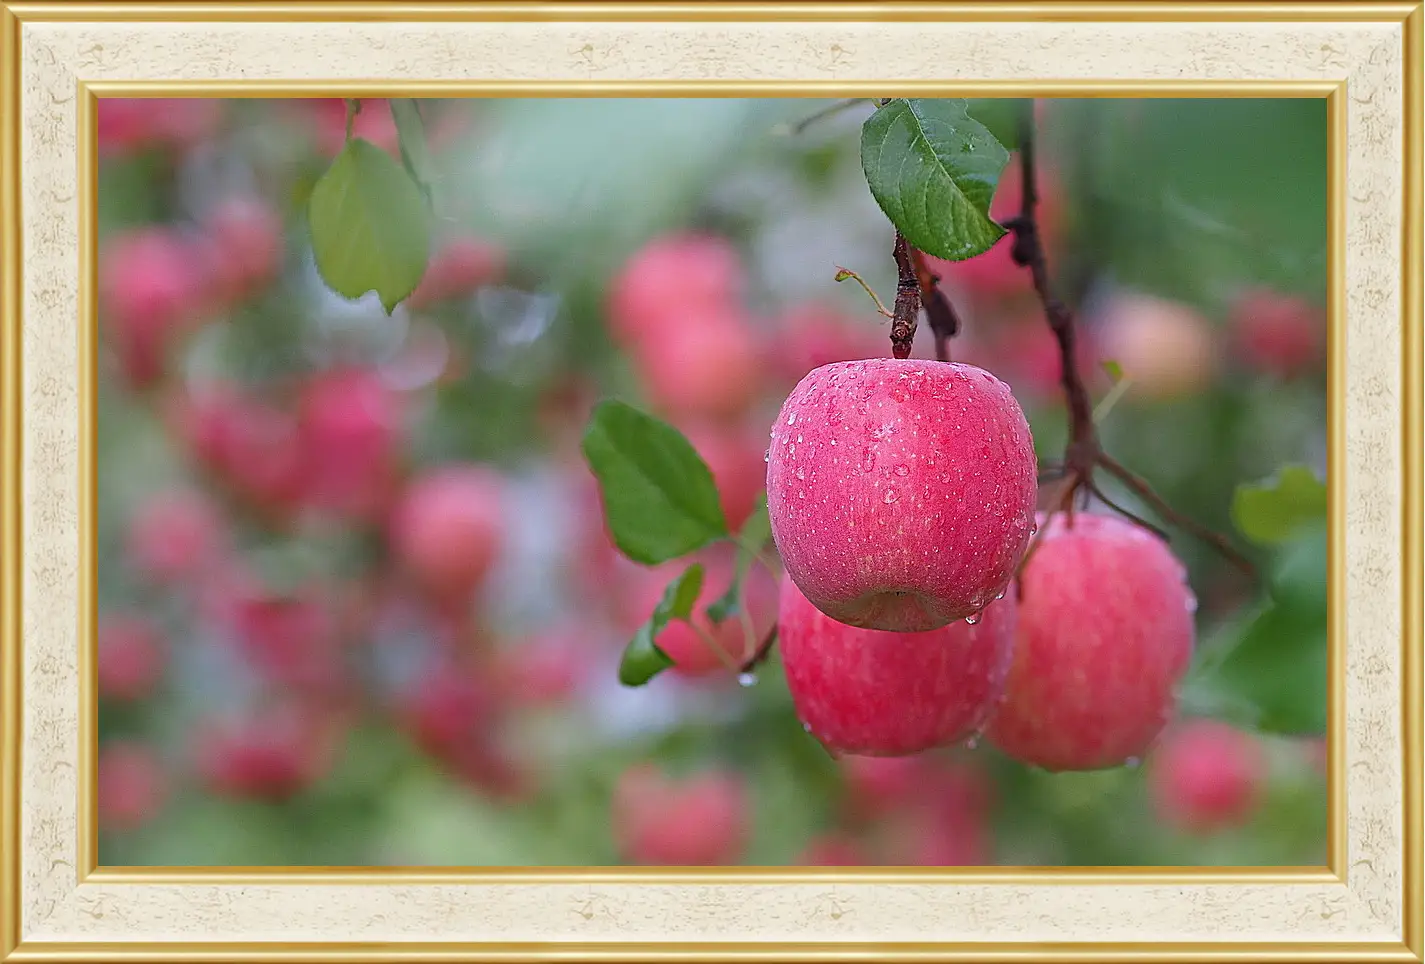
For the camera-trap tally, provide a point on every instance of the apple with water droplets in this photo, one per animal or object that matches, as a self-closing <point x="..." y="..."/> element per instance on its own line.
<point x="877" y="693"/>
<point x="901" y="492"/>
<point x="1105" y="635"/>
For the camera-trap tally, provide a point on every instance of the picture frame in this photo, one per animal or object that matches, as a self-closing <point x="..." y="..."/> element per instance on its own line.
<point x="59" y="58"/>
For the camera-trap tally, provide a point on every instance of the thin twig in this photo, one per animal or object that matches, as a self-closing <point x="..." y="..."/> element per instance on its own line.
<point x="846" y="274"/>
<point x="830" y="110"/>
<point x="1145" y="492"/>
<point x="353" y="107"/>
<point x="1127" y="513"/>
<point x="763" y="649"/>
<point x="1084" y="454"/>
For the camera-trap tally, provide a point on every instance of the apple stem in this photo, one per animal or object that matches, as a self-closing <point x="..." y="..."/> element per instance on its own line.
<point x="353" y="107"/>
<point x="1084" y="454"/>
<point x="907" y="309"/>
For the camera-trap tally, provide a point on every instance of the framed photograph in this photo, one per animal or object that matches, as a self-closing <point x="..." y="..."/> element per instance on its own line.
<point x="526" y="481"/>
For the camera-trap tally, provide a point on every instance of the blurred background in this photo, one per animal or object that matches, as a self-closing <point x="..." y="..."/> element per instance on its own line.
<point x="357" y="605"/>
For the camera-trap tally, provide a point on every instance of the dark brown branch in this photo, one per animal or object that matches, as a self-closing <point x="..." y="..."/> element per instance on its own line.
<point x="1083" y="454"/>
<point x="1126" y="513"/>
<point x="906" y="313"/>
<point x="1145" y="492"/>
<point x="1028" y="251"/>
<point x="939" y="312"/>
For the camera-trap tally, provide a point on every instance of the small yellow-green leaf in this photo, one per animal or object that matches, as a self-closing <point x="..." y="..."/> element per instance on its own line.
<point x="369" y="225"/>
<point x="1275" y="510"/>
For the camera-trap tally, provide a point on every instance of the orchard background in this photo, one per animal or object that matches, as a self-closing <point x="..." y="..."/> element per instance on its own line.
<point x="359" y="599"/>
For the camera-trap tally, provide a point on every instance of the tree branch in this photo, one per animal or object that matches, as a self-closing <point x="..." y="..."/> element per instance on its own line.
<point x="1145" y="492"/>
<point x="1083" y="454"/>
<point x="906" y="314"/>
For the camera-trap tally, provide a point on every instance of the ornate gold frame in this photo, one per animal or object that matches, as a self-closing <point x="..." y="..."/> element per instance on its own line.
<point x="14" y="17"/>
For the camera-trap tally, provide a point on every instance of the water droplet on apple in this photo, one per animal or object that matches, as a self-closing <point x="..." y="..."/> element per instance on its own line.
<point x="868" y="460"/>
<point x="999" y="596"/>
<point x="801" y="472"/>
<point x="767" y="456"/>
<point x="747" y="679"/>
<point x="889" y="497"/>
<point x="972" y="620"/>
<point x="902" y="470"/>
<point x="792" y="419"/>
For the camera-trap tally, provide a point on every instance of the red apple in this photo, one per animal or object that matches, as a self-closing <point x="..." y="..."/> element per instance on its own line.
<point x="901" y="492"/>
<point x="448" y="709"/>
<point x="1165" y="347"/>
<point x="668" y="278"/>
<point x="545" y="669"/>
<point x="130" y="124"/>
<point x="350" y="425"/>
<point x="270" y="755"/>
<point x="1205" y="776"/>
<point x="694" y="822"/>
<point x="130" y="657"/>
<point x="131" y="786"/>
<point x="448" y="527"/>
<point x="290" y="638"/>
<point x="1277" y="333"/>
<point x="244" y="235"/>
<point x="174" y="537"/>
<point x="707" y="365"/>
<point x="877" y="693"/>
<point x="1105" y="635"/>
<point x="151" y="289"/>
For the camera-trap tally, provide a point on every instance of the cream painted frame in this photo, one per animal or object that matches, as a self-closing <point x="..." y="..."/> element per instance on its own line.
<point x="1365" y="59"/>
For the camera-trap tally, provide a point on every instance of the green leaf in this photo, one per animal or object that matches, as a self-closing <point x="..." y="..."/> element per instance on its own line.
<point x="410" y="128"/>
<point x="1114" y="371"/>
<point x="642" y="659"/>
<point x="933" y="170"/>
<point x="659" y="497"/>
<point x="1001" y="116"/>
<point x="1269" y="671"/>
<point x="1278" y="667"/>
<point x="750" y="539"/>
<point x="1273" y="511"/>
<point x="369" y="225"/>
